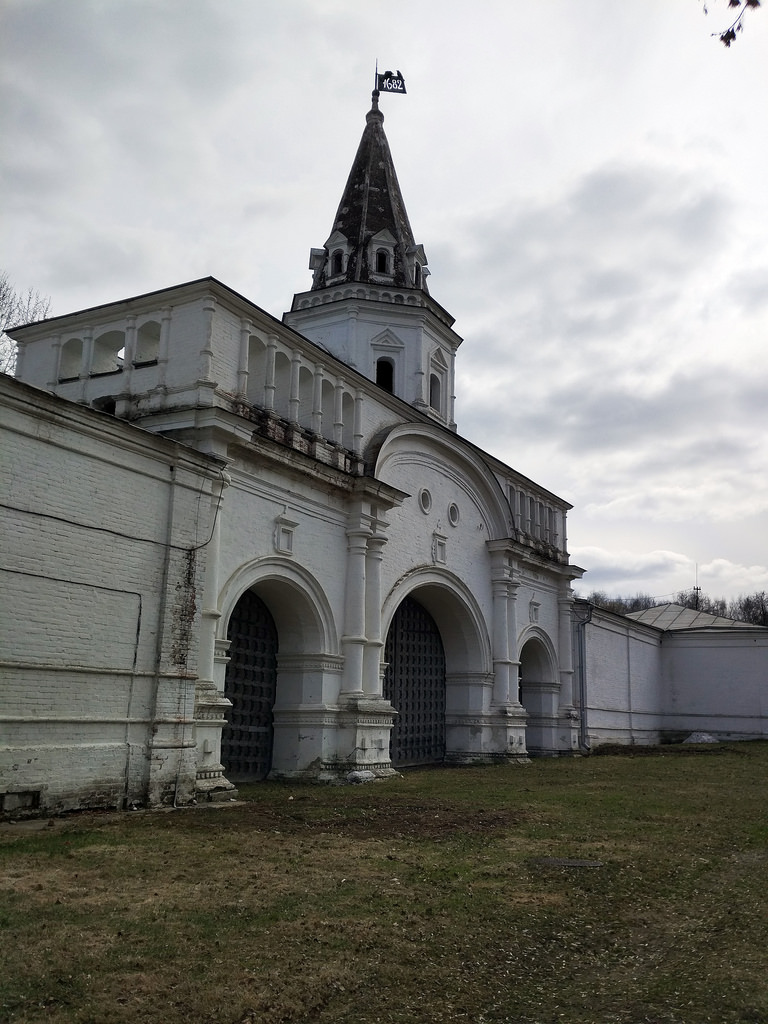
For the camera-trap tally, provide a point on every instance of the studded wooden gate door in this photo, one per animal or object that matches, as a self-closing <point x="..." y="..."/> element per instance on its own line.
<point x="415" y="685"/>
<point x="250" y="682"/>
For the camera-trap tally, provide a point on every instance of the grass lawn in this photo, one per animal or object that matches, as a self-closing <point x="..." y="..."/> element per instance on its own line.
<point x="612" y="889"/>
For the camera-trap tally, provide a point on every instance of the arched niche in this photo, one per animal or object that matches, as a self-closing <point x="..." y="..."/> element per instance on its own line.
<point x="539" y="690"/>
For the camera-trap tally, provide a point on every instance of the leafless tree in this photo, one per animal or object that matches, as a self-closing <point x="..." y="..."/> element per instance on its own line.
<point x="751" y="608"/>
<point x="728" y="35"/>
<point x="17" y="308"/>
<point x="622" y="605"/>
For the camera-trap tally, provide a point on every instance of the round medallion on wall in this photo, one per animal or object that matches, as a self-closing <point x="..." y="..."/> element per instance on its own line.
<point x="425" y="500"/>
<point x="453" y="514"/>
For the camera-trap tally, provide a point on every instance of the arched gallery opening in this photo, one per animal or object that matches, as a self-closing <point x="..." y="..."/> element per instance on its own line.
<point x="250" y="683"/>
<point x="414" y="683"/>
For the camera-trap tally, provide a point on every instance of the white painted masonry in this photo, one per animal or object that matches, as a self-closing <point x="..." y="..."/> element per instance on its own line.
<point x="331" y="546"/>
<point x="235" y="547"/>
<point x="102" y="542"/>
<point x="642" y="683"/>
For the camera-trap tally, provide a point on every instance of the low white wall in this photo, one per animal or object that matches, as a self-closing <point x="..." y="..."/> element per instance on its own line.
<point x="716" y="681"/>
<point x="646" y="685"/>
<point x="622" y="679"/>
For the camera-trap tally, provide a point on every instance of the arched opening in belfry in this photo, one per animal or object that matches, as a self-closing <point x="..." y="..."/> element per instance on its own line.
<point x="70" y="361"/>
<point x="415" y="685"/>
<point x="107" y="353"/>
<point x="250" y="684"/>
<point x="147" y="344"/>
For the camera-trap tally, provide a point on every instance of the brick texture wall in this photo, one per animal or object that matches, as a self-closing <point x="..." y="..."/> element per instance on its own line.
<point x="102" y="554"/>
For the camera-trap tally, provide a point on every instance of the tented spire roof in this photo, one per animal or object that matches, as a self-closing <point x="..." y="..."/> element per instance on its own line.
<point x="371" y="241"/>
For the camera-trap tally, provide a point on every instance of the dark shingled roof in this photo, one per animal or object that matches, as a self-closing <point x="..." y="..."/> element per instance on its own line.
<point x="372" y="202"/>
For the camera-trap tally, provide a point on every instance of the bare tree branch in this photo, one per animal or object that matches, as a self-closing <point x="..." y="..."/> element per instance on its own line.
<point x="728" y="35"/>
<point x="17" y="308"/>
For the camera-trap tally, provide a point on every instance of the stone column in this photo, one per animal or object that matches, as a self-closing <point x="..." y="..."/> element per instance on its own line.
<point x="514" y="653"/>
<point x="86" y="360"/>
<point x="357" y="440"/>
<point x="162" y="353"/>
<point x="210" y="612"/>
<point x="338" y="413"/>
<point x="56" y="352"/>
<point x="565" y="652"/>
<point x="502" y="663"/>
<point x="317" y="401"/>
<point x="206" y="352"/>
<point x="353" y="640"/>
<point x="353" y="313"/>
<point x="421" y="395"/>
<point x="294" y="400"/>
<point x="242" y="366"/>
<point x="210" y="702"/>
<point x="129" y="353"/>
<point x="372" y="676"/>
<point x="269" y="376"/>
<point x="452" y="396"/>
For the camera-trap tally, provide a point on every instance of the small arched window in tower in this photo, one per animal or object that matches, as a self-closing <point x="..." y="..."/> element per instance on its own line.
<point x="416" y="276"/>
<point x="434" y="392"/>
<point x="385" y="375"/>
<point x="382" y="261"/>
<point x="337" y="262"/>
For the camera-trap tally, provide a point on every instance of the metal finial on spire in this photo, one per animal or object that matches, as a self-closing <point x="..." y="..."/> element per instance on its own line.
<point x="374" y="114"/>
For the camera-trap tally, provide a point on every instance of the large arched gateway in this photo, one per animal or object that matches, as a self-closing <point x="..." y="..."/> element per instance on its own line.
<point x="414" y="684"/>
<point x="250" y="684"/>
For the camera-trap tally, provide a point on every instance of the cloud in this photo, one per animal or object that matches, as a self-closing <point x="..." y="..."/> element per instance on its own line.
<point x="722" y="574"/>
<point x="631" y="564"/>
<point x="748" y="290"/>
<point x="607" y="363"/>
<point x="600" y="238"/>
<point x="663" y="574"/>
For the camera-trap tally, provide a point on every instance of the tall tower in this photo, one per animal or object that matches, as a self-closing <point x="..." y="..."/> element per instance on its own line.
<point x="369" y="304"/>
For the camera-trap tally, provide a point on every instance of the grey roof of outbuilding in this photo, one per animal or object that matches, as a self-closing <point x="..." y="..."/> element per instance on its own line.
<point x="675" y="616"/>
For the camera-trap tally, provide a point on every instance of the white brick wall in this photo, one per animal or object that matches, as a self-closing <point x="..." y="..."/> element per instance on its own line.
<point x="91" y="657"/>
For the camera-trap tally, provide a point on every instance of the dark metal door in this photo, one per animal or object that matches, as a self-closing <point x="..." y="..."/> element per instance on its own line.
<point x="250" y="683"/>
<point x="414" y="683"/>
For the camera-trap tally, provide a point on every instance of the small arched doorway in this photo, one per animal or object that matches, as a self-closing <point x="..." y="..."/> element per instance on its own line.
<point x="250" y="684"/>
<point x="414" y="683"/>
<point x="539" y="690"/>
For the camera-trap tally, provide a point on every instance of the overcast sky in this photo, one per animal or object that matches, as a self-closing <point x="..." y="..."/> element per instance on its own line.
<point x="588" y="180"/>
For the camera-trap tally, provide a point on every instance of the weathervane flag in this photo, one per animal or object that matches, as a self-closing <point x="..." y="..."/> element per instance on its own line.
<point x="390" y="81"/>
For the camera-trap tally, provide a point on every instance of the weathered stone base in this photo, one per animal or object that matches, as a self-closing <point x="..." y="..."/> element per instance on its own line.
<point x="459" y="758"/>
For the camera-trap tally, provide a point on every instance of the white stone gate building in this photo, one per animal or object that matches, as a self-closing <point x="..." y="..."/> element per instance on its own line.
<point x="215" y="517"/>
